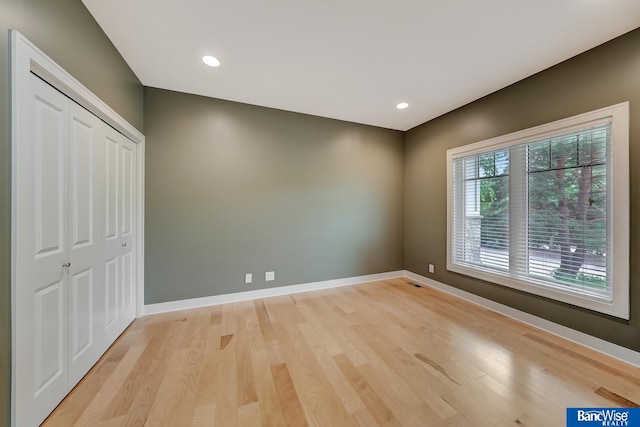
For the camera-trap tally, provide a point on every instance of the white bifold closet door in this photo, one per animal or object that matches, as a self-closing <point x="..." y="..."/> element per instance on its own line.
<point x="75" y="253"/>
<point x="118" y="236"/>
<point x="84" y="269"/>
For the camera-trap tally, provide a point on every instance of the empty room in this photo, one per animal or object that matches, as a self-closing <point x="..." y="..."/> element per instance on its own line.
<point x="319" y="213"/>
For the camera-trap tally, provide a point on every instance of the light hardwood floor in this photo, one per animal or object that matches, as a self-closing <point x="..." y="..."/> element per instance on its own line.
<point x="383" y="353"/>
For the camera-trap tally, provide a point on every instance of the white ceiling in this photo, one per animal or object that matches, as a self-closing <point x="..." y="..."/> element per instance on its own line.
<point x="355" y="59"/>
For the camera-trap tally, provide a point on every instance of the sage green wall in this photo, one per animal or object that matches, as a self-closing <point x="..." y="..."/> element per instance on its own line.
<point x="66" y="32"/>
<point x="233" y="189"/>
<point x="603" y="76"/>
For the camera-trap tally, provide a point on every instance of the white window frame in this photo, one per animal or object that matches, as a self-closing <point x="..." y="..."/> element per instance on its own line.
<point x="618" y="210"/>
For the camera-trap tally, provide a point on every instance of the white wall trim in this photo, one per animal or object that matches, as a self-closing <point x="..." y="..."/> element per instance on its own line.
<point x="140" y="227"/>
<point x="165" y="307"/>
<point x="613" y="350"/>
<point x="58" y="77"/>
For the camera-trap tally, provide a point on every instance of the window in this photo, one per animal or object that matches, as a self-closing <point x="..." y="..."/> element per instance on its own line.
<point x="546" y="210"/>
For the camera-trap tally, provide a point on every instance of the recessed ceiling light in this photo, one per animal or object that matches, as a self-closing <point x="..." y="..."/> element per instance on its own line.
<point x="402" y="106"/>
<point x="211" y="61"/>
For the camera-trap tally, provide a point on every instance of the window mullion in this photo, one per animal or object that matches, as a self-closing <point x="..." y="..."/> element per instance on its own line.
<point x="459" y="206"/>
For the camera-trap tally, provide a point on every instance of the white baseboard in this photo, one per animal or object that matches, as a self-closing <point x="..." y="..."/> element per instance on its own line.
<point x="165" y="307"/>
<point x="613" y="350"/>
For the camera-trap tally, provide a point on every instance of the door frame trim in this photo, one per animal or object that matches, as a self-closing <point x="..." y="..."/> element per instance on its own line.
<point x="25" y="59"/>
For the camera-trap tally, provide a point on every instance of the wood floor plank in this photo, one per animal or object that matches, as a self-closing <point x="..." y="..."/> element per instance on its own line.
<point x="364" y="418"/>
<point x="518" y="401"/>
<point x="336" y="324"/>
<point x="289" y="401"/>
<point x="487" y="411"/>
<point x="249" y="340"/>
<point x="373" y="354"/>
<point x="215" y="318"/>
<point x="374" y="404"/>
<point x="340" y="384"/>
<point x="264" y="321"/>
<point x="204" y="416"/>
<point x="271" y="413"/>
<point x="169" y="391"/>
<point x="458" y="420"/>
<point x="320" y="403"/>
<point x="249" y="415"/>
<point x="318" y="333"/>
<point x="175" y="399"/>
<point x="209" y="383"/>
<point x="225" y="391"/>
<point x="94" y="412"/>
<point x="616" y="398"/>
<point x="122" y="402"/>
<point x="225" y="340"/>
<point x="143" y="401"/>
<point x="406" y="406"/>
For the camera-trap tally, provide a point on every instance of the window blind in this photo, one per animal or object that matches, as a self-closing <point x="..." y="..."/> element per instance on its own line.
<point x="481" y="211"/>
<point x="538" y="210"/>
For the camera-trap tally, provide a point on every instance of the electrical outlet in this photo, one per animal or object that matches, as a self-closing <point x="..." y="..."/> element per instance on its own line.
<point x="248" y="278"/>
<point x="269" y="276"/>
<point x="432" y="269"/>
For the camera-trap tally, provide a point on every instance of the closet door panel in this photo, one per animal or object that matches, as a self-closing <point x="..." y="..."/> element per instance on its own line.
<point x="111" y="185"/>
<point x="85" y="284"/>
<point x="127" y="230"/>
<point x="50" y="176"/>
<point x="81" y="314"/>
<point x="49" y="277"/>
<point x="41" y="254"/>
<point x="111" y="294"/>
<point x="118" y="248"/>
<point x="111" y="236"/>
<point x="82" y="176"/>
<point x="50" y="337"/>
